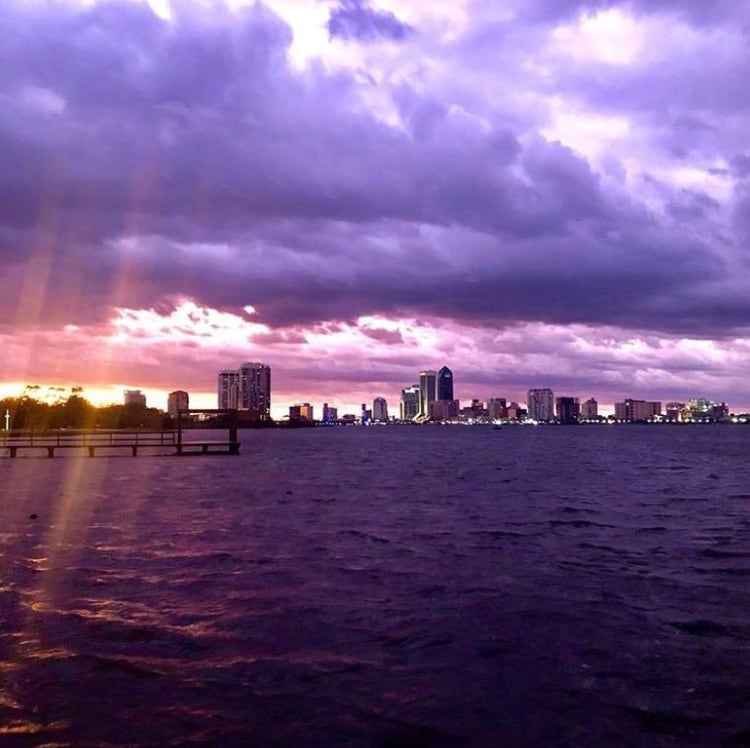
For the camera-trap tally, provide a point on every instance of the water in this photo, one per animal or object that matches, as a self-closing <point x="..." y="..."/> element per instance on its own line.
<point x="406" y="586"/>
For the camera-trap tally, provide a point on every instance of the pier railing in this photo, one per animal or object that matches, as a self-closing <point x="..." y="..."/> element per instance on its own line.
<point x="91" y="441"/>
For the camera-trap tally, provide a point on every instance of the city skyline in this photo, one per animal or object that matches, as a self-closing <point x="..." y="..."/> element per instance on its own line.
<point x="543" y="194"/>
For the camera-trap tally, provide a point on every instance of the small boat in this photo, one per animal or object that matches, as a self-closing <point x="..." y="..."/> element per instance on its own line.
<point x="497" y="427"/>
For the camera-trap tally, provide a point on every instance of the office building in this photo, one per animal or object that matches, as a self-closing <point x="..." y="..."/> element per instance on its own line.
<point x="568" y="409"/>
<point x="445" y="384"/>
<point x="228" y="389"/>
<point x="380" y="410"/>
<point x="177" y="401"/>
<point x="255" y="389"/>
<point x="540" y="405"/>
<point x="427" y="392"/>
<point x="410" y="402"/>
<point x="135" y="397"/>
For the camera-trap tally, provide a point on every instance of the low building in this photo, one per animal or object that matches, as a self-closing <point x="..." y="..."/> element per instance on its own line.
<point x="301" y="412"/>
<point x="637" y="411"/>
<point x="444" y="410"/>
<point x="330" y="414"/>
<point x="497" y="408"/>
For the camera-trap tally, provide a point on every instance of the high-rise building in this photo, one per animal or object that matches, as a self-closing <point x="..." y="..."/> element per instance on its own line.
<point x="445" y="384"/>
<point x="177" y="401"/>
<point x="427" y="391"/>
<point x="410" y="402"/>
<point x="380" y="409"/>
<point x="568" y="409"/>
<point x="255" y="389"/>
<point x="589" y="410"/>
<point x="540" y="405"/>
<point x="135" y="397"/>
<point x="228" y="389"/>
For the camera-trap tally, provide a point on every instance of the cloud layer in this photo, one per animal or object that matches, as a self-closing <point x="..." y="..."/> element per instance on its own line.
<point x="485" y="171"/>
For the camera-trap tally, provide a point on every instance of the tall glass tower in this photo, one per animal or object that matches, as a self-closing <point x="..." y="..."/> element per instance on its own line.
<point x="445" y="384"/>
<point x="427" y="391"/>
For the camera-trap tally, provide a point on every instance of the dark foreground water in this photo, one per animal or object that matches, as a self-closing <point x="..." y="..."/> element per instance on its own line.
<point x="431" y="586"/>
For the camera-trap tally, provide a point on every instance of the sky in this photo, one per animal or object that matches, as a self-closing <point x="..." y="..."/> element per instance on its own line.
<point x="537" y="193"/>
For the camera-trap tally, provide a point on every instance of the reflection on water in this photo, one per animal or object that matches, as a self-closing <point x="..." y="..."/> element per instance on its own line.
<point x="386" y="586"/>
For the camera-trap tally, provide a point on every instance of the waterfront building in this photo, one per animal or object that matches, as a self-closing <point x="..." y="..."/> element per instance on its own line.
<point x="590" y="410"/>
<point x="380" y="410"/>
<point x="330" y="414"/>
<point x="637" y="410"/>
<point x="177" y="401"/>
<point x="427" y="391"/>
<point x="301" y="412"/>
<point x="445" y="384"/>
<point x="134" y="397"/>
<point x="497" y="408"/>
<point x="410" y="402"/>
<point x="674" y="412"/>
<point x="700" y="409"/>
<point x="228" y="389"/>
<point x="540" y="404"/>
<point x="444" y="410"/>
<point x="474" y="412"/>
<point x="255" y="389"/>
<point x="568" y="409"/>
<point x="515" y="412"/>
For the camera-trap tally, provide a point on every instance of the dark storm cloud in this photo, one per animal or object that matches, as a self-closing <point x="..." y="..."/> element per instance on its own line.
<point x="357" y="19"/>
<point x="145" y="159"/>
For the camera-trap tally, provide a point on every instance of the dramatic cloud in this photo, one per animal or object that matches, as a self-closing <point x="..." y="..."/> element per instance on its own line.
<point x="356" y="19"/>
<point x="503" y="166"/>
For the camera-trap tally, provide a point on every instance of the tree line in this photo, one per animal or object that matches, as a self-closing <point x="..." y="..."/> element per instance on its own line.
<point x="30" y="413"/>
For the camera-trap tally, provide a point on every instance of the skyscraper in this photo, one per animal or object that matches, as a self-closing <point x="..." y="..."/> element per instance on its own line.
<point x="540" y="405"/>
<point x="255" y="389"/>
<point x="228" y="389"/>
<point x="410" y="402"/>
<point x="427" y="391"/>
<point x="568" y="409"/>
<point x="445" y="384"/>
<point x="379" y="409"/>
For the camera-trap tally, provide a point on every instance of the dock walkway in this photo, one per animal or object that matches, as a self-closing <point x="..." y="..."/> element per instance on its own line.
<point x="134" y="441"/>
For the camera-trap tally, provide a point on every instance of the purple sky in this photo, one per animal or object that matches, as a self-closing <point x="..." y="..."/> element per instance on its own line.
<point x="536" y="193"/>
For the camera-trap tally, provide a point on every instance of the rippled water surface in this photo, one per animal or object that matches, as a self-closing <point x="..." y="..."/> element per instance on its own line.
<point x="415" y="586"/>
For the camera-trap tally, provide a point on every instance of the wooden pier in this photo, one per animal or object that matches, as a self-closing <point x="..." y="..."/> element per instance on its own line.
<point x="132" y="441"/>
